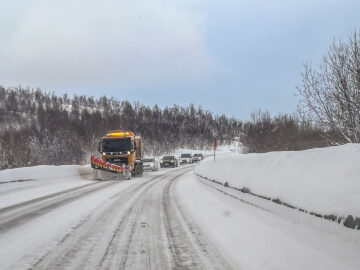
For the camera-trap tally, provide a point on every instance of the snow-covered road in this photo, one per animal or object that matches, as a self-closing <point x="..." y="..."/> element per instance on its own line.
<point x="169" y="219"/>
<point x="137" y="224"/>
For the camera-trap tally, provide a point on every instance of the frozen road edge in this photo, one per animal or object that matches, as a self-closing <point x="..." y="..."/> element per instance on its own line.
<point x="350" y="221"/>
<point x="260" y="234"/>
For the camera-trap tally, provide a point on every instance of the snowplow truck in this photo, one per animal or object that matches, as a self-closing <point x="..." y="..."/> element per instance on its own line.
<point x="121" y="154"/>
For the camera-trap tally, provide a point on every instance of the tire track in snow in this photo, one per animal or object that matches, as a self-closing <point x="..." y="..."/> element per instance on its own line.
<point x="16" y="181"/>
<point x="19" y="214"/>
<point x="124" y="239"/>
<point x="36" y="200"/>
<point x="190" y="248"/>
<point x="92" y="236"/>
<point x="142" y="226"/>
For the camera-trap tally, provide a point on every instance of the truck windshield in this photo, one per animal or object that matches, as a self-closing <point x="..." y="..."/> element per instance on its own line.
<point x="116" y="145"/>
<point x="186" y="156"/>
<point x="168" y="158"/>
<point x="148" y="160"/>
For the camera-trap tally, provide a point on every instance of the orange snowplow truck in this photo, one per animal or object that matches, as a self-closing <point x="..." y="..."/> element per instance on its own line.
<point x="121" y="153"/>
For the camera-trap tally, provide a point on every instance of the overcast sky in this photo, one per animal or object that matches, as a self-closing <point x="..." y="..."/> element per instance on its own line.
<point x="231" y="57"/>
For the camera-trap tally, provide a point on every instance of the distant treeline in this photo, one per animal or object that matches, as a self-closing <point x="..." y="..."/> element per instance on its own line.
<point x="43" y="128"/>
<point x="264" y="133"/>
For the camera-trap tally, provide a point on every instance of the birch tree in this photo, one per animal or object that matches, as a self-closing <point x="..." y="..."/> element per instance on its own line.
<point x="330" y="93"/>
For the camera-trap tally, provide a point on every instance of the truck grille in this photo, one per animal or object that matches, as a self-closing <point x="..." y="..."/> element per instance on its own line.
<point x="118" y="160"/>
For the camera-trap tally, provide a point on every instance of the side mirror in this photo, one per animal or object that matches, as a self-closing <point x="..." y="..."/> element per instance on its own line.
<point x="100" y="147"/>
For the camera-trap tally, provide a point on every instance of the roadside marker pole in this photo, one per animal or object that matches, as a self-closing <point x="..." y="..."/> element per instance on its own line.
<point x="214" y="147"/>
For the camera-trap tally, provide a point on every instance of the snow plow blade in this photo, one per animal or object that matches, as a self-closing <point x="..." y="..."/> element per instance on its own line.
<point x="97" y="164"/>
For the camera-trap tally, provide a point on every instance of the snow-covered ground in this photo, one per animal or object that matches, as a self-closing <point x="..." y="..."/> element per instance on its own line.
<point x="324" y="180"/>
<point x="41" y="172"/>
<point x="252" y="233"/>
<point x="23" y="184"/>
<point x="44" y="219"/>
<point x="56" y="217"/>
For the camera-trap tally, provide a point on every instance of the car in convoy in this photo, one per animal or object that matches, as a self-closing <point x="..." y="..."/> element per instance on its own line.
<point x="186" y="159"/>
<point x="150" y="164"/>
<point x="168" y="161"/>
<point x="198" y="157"/>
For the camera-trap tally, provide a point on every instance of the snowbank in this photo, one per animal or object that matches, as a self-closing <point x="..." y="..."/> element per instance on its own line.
<point x="235" y="146"/>
<point x="42" y="172"/>
<point x="24" y="184"/>
<point x="325" y="181"/>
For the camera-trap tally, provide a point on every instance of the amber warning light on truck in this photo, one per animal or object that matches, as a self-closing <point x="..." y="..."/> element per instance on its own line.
<point x="113" y="134"/>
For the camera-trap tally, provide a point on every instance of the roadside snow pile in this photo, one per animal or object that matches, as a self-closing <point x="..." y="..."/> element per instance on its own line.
<point x="325" y="181"/>
<point x="24" y="184"/>
<point x="234" y="146"/>
<point x="42" y="172"/>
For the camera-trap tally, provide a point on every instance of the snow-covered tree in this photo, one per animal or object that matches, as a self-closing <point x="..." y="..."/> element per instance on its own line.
<point x="331" y="92"/>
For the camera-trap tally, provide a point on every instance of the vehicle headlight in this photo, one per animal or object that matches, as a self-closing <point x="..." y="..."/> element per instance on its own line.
<point x="161" y="161"/>
<point x="172" y="161"/>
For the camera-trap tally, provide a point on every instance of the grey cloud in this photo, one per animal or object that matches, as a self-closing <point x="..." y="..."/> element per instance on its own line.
<point x="135" y="42"/>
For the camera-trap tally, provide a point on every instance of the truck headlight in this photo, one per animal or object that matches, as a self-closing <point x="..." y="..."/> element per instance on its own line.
<point x="172" y="161"/>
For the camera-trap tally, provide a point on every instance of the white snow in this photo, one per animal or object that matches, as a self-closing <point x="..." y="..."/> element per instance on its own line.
<point x="260" y="235"/>
<point x="41" y="172"/>
<point x="324" y="180"/>
<point x="19" y="246"/>
<point x="265" y="235"/>
<point x="22" y="184"/>
<point x="42" y="234"/>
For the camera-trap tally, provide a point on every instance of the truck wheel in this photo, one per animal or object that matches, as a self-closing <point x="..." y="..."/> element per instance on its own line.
<point x="138" y="170"/>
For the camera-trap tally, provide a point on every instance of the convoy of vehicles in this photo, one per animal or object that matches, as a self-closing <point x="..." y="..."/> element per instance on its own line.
<point x="150" y="164"/>
<point x="121" y="154"/>
<point x="186" y="159"/>
<point x="168" y="161"/>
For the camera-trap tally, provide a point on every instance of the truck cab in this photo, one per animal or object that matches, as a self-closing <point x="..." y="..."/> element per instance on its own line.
<point x="122" y="148"/>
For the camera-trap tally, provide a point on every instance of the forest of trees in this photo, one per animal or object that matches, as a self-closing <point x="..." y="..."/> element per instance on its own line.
<point x="43" y="128"/>
<point x="284" y="132"/>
